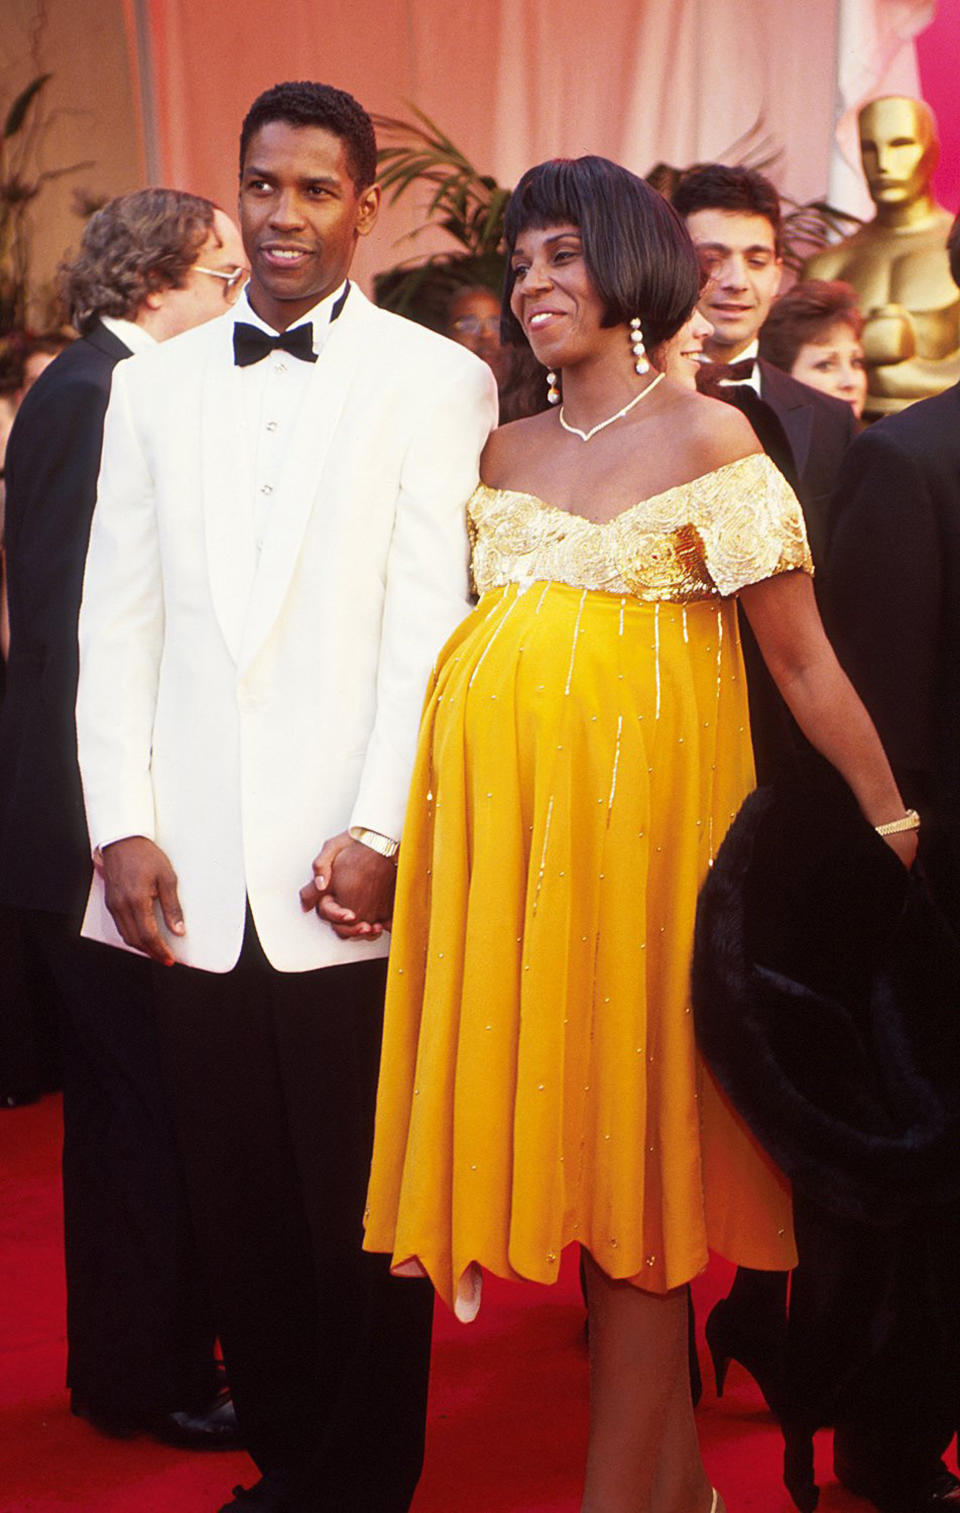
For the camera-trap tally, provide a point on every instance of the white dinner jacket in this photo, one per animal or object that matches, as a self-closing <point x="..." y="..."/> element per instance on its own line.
<point x="239" y="707"/>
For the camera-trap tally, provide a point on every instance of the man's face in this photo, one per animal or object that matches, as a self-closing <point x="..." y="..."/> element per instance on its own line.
<point x="203" y="295"/>
<point x="473" y="320"/>
<point x="738" y="254"/>
<point x="300" y="214"/>
<point x="898" y="150"/>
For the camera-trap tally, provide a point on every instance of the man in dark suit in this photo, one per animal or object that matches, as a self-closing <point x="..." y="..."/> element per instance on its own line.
<point x="733" y="216"/>
<point x="141" y="1344"/>
<point x="892" y="607"/>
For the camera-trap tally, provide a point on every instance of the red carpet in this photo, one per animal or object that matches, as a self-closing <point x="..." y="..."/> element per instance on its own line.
<point x="508" y="1400"/>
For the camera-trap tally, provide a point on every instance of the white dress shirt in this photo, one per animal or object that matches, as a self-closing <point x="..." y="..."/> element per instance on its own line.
<point x="272" y="394"/>
<point x="749" y="354"/>
<point x="132" y="335"/>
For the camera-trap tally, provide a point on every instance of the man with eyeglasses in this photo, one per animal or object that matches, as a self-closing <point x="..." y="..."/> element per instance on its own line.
<point x="473" y="319"/>
<point x="140" y="1338"/>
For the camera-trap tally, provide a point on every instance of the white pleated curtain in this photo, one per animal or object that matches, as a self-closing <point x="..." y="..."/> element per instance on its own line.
<point x="515" y="81"/>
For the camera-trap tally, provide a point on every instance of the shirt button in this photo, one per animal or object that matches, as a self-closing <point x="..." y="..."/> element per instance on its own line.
<point x="266" y="488"/>
<point x="271" y="425"/>
<point x="281" y="367"/>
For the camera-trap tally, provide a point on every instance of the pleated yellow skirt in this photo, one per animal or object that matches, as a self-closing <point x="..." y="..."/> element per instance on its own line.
<point x="580" y="759"/>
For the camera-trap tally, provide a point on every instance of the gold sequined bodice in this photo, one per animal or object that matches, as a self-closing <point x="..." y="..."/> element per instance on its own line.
<point x="705" y="539"/>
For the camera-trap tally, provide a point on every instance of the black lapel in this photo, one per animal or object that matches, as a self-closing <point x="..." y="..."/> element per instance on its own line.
<point x="785" y="397"/>
<point x="105" y="341"/>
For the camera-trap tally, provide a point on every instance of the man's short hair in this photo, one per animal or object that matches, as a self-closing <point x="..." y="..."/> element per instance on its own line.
<point x="636" y="248"/>
<point x="135" y="245"/>
<point x="718" y="186"/>
<point x="308" y="104"/>
<point x="807" y="313"/>
<point x="953" y="250"/>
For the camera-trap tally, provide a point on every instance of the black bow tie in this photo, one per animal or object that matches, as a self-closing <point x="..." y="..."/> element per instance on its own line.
<point x="250" y="343"/>
<point x="731" y="372"/>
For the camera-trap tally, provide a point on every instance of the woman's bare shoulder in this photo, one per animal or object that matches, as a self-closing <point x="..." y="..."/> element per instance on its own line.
<point x="510" y="444"/>
<point x="718" y="433"/>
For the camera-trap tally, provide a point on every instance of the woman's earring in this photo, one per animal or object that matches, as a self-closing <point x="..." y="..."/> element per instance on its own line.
<point x="639" y="350"/>
<point x="553" y="393"/>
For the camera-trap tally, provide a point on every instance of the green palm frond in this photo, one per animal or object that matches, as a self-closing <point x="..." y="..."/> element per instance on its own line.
<point x="21" y="181"/>
<point x="469" y="205"/>
<point x="807" y="229"/>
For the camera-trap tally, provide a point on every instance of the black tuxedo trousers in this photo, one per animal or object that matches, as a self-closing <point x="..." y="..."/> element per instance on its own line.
<point x="139" y="1334"/>
<point x="273" y="1077"/>
<point x="139" y="1331"/>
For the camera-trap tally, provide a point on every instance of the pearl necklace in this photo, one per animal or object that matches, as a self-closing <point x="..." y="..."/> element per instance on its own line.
<point x="602" y="426"/>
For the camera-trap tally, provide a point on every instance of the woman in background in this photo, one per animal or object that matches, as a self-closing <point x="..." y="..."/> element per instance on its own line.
<point x="813" y="333"/>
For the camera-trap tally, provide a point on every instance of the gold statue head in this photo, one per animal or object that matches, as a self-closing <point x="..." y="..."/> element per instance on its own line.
<point x="900" y="149"/>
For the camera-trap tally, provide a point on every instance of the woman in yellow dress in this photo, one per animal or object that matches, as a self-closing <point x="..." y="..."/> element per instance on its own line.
<point x="585" y="745"/>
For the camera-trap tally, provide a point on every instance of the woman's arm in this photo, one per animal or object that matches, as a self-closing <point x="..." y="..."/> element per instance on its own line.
<point x="785" y="621"/>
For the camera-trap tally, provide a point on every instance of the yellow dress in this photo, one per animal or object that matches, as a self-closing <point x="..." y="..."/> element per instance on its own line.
<point x="584" y="746"/>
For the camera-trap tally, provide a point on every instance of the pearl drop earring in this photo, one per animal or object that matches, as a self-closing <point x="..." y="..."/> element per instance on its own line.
<point x="639" y="350"/>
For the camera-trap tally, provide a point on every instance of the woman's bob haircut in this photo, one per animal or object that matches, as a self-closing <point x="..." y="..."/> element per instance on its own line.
<point x="636" y="248"/>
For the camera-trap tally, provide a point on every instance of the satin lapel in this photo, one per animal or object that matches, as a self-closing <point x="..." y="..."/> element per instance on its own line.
<point x="795" y="416"/>
<point x="105" y="341"/>
<point x="301" y="478"/>
<point x="231" y="550"/>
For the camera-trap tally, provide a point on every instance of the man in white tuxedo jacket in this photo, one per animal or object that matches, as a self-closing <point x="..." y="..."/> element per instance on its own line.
<point x="278" y="551"/>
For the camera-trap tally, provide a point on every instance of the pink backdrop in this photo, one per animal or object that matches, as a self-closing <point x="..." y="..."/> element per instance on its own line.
<point x="938" y="55"/>
<point x="511" y="81"/>
<point x="514" y="81"/>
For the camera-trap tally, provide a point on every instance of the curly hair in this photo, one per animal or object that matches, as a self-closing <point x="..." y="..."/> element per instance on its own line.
<point x="636" y="248"/>
<point x="135" y="245"/>
<point x="308" y="104"/>
<point x="719" y="186"/>
<point x="807" y="313"/>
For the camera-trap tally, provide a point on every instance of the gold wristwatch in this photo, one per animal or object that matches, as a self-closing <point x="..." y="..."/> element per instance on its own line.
<point x="383" y="844"/>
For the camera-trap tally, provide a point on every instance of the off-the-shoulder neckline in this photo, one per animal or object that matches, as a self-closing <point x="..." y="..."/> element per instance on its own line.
<point x="675" y="488"/>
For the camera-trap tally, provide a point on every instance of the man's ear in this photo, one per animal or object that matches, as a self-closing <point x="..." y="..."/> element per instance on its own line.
<point x="368" y="208"/>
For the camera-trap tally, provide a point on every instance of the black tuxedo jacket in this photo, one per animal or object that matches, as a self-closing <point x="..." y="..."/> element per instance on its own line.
<point x="53" y="460"/>
<point x="892" y="607"/>
<point x="806" y="434"/>
<point x="819" y="429"/>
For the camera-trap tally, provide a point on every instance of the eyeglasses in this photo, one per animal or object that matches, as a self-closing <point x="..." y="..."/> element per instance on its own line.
<point x="232" y="282"/>
<point x="477" y="325"/>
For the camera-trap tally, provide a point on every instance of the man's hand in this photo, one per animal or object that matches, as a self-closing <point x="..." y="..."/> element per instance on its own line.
<point x="137" y="876"/>
<point x="352" y="888"/>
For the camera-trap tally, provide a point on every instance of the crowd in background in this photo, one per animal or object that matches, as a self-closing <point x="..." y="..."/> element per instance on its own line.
<point x="762" y="390"/>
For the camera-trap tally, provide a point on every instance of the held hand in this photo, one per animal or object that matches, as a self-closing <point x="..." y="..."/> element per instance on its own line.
<point x="352" y="888"/>
<point x="137" y="876"/>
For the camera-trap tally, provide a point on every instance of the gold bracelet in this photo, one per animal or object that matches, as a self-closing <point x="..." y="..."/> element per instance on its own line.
<point x="910" y="821"/>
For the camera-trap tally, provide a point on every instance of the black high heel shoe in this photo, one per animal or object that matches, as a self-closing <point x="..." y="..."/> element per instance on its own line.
<point x="730" y="1339"/>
